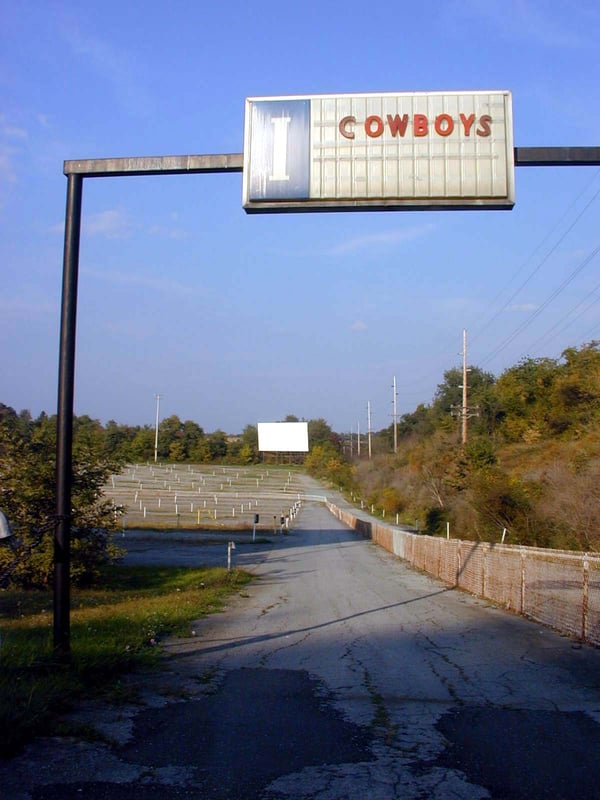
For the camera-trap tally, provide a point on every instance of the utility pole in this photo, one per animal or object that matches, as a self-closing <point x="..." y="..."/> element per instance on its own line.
<point x="395" y="401"/>
<point x="463" y="411"/>
<point x="156" y="429"/>
<point x="465" y="404"/>
<point x="369" y="425"/>
<point x="358" y="439"/>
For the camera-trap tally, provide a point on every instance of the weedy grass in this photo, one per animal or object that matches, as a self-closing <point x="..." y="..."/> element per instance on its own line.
<point x="115" y="629"/>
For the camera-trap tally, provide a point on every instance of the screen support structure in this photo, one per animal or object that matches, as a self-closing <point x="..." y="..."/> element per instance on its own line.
<point x="75" y="172"/>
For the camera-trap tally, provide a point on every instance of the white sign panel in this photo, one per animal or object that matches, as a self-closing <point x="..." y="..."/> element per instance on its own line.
<point x="419" y="150"/>
<point x="283" y="437"/>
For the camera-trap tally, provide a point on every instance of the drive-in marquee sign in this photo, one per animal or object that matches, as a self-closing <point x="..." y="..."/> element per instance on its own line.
<point x="379" y="151"/>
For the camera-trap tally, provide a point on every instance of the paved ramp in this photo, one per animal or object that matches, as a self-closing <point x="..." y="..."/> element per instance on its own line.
<point x="344" y="674"/>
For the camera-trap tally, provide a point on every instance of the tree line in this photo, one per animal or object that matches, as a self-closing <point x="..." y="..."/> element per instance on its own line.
<point x="181" y="441"/>
<point x="530" y="469"/>
<point x="27" y="482"/>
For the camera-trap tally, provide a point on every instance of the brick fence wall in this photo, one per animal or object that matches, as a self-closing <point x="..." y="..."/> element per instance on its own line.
<point x="558" y="588"/>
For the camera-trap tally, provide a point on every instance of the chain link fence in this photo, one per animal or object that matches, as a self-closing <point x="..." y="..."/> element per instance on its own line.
<point x="558" y="588"/>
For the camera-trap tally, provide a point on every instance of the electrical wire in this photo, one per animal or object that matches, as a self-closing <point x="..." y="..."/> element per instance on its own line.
<point x="570" y="278"/>
<point x="544" y="259"/>
<point x="545" y="338"/>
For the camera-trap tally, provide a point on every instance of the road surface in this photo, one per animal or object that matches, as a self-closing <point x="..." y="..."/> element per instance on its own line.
<point x="341" y="673"/>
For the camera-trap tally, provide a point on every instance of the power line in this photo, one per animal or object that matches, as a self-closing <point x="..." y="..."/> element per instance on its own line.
<point x="591" y="332"/>
<point x="544" y="259"/>
<point x="425" y="378"/>
<point x="544" y="305"/>
<point x="555" y="226"/>
<point x="548" y="338"/>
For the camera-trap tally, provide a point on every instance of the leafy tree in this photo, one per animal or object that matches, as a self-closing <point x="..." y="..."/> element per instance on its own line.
<point x="117" y="441"/>
<point x="571" y="502"/>
<point x="449" y="394"/>
<point x="436" y="462"/>
<point x="391" y="500"/>
<point x="506" y="501"/>
<point x="480" y="453"/>
<point x="249" y="445"/>
<point x="170" y="429"/>
<point x="246" y="454"/>
<point x="324" y="461"/>
<point x="576" y="390"/>
<point x="142" y="444"/>
<point x="524" y="392"/>
<point x="27" y="497"/>
<point x="177" y="451"/>
<point x="217" y="445"/>
<point x="190" y="437"/>
<point x="420" y="422"/>
<point x="319" y="432"/>
<point x="88" y="433"/>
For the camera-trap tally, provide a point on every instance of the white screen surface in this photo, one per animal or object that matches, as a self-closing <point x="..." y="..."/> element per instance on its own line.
<point x="283" y="437"/>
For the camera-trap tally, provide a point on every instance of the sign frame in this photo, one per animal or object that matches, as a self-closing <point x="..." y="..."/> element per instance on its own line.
<point x="427" y="151"/>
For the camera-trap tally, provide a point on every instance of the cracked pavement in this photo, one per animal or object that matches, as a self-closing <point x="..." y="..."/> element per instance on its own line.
<point x="340" y="673"/>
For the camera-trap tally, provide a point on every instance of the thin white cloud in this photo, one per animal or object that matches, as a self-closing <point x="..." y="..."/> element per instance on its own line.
<point x="8" y="172"/>
<point x="13" y="132"/>
<point x="16" y="308"/>
<point x="167" y="232"/>
<point x="384" y="239"/>
<point x="112" y="224"/>
<point x="44" y="121"/>
<point x="529" y="20"/>
<point x="126" y="329"/>
<point x="150" y="282"/>
<point x="116" y="66"/>
<point x="11" y="139"/>
<point x="524" y="307"/>
<point x="116" y="223"/>
<point x="359" y="325"/>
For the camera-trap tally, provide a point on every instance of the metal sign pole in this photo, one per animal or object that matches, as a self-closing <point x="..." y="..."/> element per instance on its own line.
<point x="64" y="424"/>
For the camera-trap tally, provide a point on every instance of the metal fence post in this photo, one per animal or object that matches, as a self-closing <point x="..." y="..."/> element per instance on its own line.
<point x="585" y="598"/>
<point x="522" y="581"/>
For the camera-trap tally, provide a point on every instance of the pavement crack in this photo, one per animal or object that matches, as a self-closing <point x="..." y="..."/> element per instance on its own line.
<point x="263" y="659"/>
<point x="434" y="650"/>
<point x="270" y="607"/>
<point x="382" y="721"/>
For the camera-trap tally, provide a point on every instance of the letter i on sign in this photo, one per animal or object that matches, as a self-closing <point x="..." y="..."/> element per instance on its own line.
<point x="279" y="163"/>
<point x="280" y="147"/>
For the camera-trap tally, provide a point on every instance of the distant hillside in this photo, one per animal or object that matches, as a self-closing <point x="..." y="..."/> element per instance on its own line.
<point x="531" y="463"/>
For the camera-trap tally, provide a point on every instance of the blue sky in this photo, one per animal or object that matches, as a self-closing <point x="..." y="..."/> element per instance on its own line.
<point x="235" y="319"/>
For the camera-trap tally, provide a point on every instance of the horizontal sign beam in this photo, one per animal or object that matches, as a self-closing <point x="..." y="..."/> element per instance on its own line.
<point x="557" y="156"/>
<point x="233" y="162"/>
<point x="154" y="165"/>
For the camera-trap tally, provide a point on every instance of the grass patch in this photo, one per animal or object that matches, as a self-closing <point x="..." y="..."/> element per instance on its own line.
<point x="115" y="629"/>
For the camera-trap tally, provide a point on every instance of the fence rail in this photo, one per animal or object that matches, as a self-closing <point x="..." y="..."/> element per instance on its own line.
<point x="558" y="588"/>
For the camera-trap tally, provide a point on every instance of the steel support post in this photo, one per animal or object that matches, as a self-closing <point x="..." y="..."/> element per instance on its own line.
<point x="64" y="424"/>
